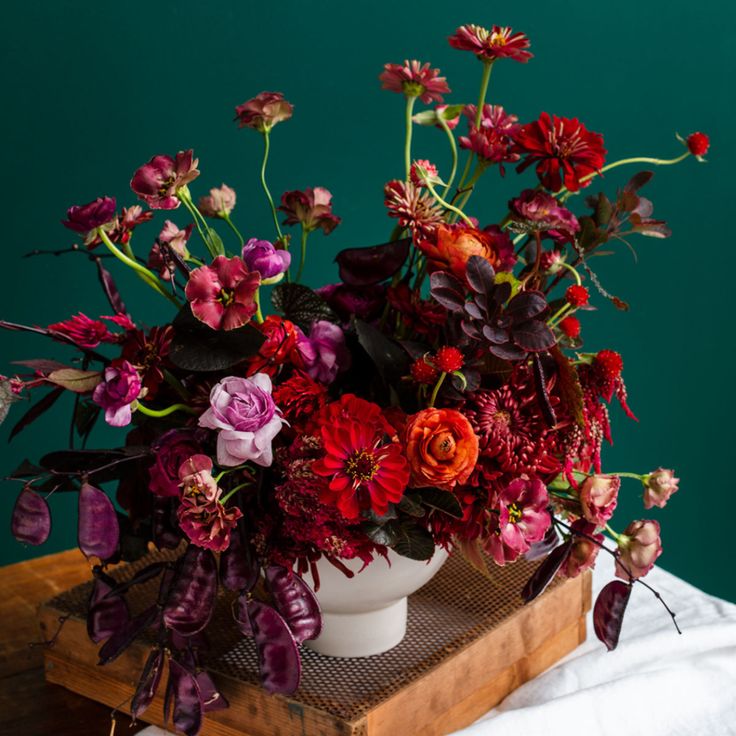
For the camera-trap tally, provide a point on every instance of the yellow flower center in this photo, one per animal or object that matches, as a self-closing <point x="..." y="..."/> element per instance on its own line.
<point x="361" y="466"/>
<point x="514" y="514"/>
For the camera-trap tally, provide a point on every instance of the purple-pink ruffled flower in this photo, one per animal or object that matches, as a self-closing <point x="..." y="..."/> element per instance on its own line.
<point x="535" y="209"/>
<point x="311" y="208"/>
<point x="261" y="256"/>
<point x="158" y="181"/>
<point x="170" y="452"/>
<point x="87" y="217"/>
<point x="220" y="202"/>
<point x="176" y="239"/>
<point x="324" y="352"/>
<point x="120" y="387"/>
<point x="263" y="111"/>
<point x="246" y="419"/>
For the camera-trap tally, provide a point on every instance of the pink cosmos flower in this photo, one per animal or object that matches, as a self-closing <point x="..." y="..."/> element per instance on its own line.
<point x="222" y="295"/>
<point x="119" y="389"/>
<point x="522" y="519"/>
<point x="246" y="419"/>
<point x="659" y="485"/>
<point x="158" y="181"/>
<point x="598" y="498"/>
<point x="83" y="331"/>
<point x="176" y="239"/>
<point x="414" y="79"/>
<point x="638" y="549"/>
<point x="263" y="111"/>
<point x="498" y="43"/>
<point x="87" y="217"/>
<point x="492" y="140"/>
<point x="219" y="203"/>
<point x="324" y="352"/>
<point x="312" y="208"/>
<point x="201" y="516"/>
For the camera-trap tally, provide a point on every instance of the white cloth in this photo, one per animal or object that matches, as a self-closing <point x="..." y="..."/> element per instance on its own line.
<point x="655" y="683"/>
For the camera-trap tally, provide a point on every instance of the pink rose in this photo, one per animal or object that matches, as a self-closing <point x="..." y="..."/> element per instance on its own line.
<point x="638" y="549"/>
<point x="659" y="485"/>
<point x="119" y="389"/>
<point x="219" y="203"/>
<point x="246" y="418"/>
<point x="584" y="550"/>
<point x="598" y="498"/>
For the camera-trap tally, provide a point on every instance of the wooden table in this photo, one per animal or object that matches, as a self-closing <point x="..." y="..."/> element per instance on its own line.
<point x="28" y="705"/>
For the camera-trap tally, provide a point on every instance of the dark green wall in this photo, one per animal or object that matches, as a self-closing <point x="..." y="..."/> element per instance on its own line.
<point x="91" y="90"/>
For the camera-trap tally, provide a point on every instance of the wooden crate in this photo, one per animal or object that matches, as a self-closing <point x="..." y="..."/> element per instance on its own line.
<point x="470" y="642"/>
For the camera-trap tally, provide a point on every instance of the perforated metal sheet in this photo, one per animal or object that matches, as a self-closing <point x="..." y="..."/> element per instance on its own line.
<point x="453" y="609"/>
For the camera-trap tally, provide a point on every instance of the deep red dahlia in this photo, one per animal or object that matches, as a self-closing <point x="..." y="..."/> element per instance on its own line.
<point x="420" y="315"/>
<point x="698" y="144"/>
<point x="498" y="43"/>
<point x="414" y="79"/>
<point x="570" y="326"/>
<point x="449" y="359"/>
<point x="300" y="398"/>
<point x="366" y="469"/>
<point x="564" y="150"/>
<point x="577" y="295"/>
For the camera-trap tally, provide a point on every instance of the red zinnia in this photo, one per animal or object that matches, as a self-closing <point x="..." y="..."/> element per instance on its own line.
<point x="498" y="43"/>
<point x="414" y="79"/>
<point x="367" y="469"/>
<point x="564" y="150"/>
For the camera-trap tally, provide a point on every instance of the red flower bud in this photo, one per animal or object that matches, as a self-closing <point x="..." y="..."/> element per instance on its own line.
<point x="609" y="364"/>
<point x="448" y="359"/>
<point x="570" y="326"/>
<point x="577" y="295"/>
<point x="423" y="372"/>
<point x="698" y="144"/>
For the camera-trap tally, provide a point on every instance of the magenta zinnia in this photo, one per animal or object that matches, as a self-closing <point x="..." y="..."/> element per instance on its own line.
<point x="498" y="43"/>
<point x="414" y="79"/>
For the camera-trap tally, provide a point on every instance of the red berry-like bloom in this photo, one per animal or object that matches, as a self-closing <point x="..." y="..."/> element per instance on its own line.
<point x="698" y="144"/>
<point x="423" y="372"/>
<point x="366" y="469"/>
<point x="608" y="364"/>
<point x="577" y="295"/>
<point x="564" y="150"/>
<point x="498" y="43"/>
<point x="570" y="326"/>
<point x="414" y="79"/>
<point x="448" y="359"/>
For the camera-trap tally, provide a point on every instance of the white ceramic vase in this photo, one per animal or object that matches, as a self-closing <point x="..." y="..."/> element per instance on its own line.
<point x="366" y="614"/>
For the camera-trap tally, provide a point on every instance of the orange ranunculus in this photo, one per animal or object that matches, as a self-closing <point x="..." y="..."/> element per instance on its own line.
<point x="441" y="447"/>
<point x="450" y="247"/>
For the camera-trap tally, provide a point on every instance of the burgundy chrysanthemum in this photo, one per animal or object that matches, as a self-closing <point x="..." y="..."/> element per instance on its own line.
<point x="413" y="207"/>
<point x="498" y="43"/>
<point x="414" y="79"/>
<point x="564" y="150"/>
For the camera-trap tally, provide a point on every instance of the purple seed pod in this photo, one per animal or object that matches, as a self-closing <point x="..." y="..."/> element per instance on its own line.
<point x="31" y="521"/>
<point x="165" y="532"/>
<point x="107" y="614"/>
<point x="124" y="637"/>
<point x="187" y="702"/>
<point x="296" y="602"/>
<point x="191" y="601"/>
<point x="185" y="643"/>
<point x="608" y="612"/>
<point x="239" y="566"/>
<point x="148" y="684"/>
<point x="210" y="697"/>
<point x="241" y="615"/>
<point x="546" y="571"/>
<point x="98" y="531"/>
<point x="278" y="652"/>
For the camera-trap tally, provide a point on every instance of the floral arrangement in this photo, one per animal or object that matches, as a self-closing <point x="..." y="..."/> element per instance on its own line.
<point x="437" y="395"/>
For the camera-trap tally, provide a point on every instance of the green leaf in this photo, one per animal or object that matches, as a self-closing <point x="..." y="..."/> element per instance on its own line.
<point x="73" y="379"/>
<point x="413" y="542"/>
<point x="426" y="117"/>
<point x="214" y="243"/>
<point x="443" y="501"/>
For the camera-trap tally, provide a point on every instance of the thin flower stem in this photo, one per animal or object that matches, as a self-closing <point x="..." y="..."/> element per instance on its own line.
<point x="266" y="150"/>
<point x="453" y="148"/>
<point x="234" y="491"/>
<point x="196" y="215"/>
<point x="635" y="476"/>
<point x="142" y="272"/>
<point x="447" y="205"/>
<point x="615" y="536"/>
<point x="471" y="185"/>
<point x="227" y="219"/>
<point x="159" y="413"/>
<point x="553" y="320"/>
<point x="303" y="258"/>
<point x="410" y="101"/>
<point x="436" y="389"/>
<point x="259" y="314"/>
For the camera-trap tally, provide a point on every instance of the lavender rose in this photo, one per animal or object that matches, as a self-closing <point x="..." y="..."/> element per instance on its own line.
<point x="262" y="256"/>
<point x="324" y="352"/>
<point x="246" y="417"/>
<point x="119" y="389"/>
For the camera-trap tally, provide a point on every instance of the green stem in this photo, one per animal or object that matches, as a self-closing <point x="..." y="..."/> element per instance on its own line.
<point x="447" y="205"/>
<point x="233" y="491"/>
<point x="552" y="321"/>
<point x="573" y="271"/>
<point x="616" y="536"/>
<point x="259" y="314"/>
<point x="186" y="200"/>
<point x="453" y="148"/>
<point x="266" y="150"/>
<point x="305" y="235"/>
<point x="471" y="185"/>
<point x="436" y="389"/>
<point x="142" y="272"/>
<point x="227" y="219"/>
<point x="635" y="476"/>
<point x="410" y="101"/>
<point x="159" y="413"/>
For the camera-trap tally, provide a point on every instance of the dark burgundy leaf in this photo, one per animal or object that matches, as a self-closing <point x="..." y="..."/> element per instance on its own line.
<point x="165" y="530"/>
<point x="526" y="305"/>
<point x="644" y="208"/>
<point x="471" y="330"/>
<point x="480" y="275"/>
<point x="142" y="576"/>
<point x="27" y="470"/>
<point x="387" y="355"/>
<point x="473" y="310"/>
<point x="35" y="411"/>
<point x="447" y="290"/>
<point x="125" y="636"/>
<point x="638" y="181"/>
<point x="191" y="600"/>
<point x="507" y="352"/>
<point x="106" y="614"/>
<point x="98" y="531"/>
<point x="296" y="603"/>
<point x="414" y="541"/>
<point x="148" y="683"/>
<point x="86" y="414"/>
<point x="301" y="305"/>
<point x="31" y="520"/>
<point x="187" y="701"/>
<point x="545" y="572"/>
<point x="443" y="501"/>
<point x="541" y="549"/>
<point x="533" y="336"/>
<point x="367" y="266"/>
<point x="608" y="612"/>
<point x="278" y="654"/>
<point x="495" y="335"/>
<point x="239" y="565"/>
<point x="210" y="697"/>
<point x="90" y="461"/>
<point x="540" y="382"/>
<point x="110" y="289"/>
